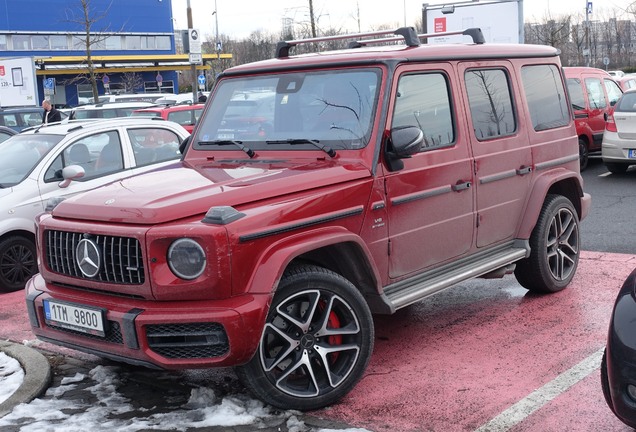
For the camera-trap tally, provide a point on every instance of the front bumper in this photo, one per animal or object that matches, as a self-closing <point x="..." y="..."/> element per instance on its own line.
<point x="621" y="353"/>
<point x="167" y="335"/>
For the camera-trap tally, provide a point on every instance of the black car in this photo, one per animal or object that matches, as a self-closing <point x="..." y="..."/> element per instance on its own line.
<point x="618" y="368"/>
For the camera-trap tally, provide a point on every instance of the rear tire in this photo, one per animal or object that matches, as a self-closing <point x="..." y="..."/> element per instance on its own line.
<point x="316" y="343"/>
<point x="616" y="168"/>
<point x="17" y="263"/>
<point x="554" y="246"/>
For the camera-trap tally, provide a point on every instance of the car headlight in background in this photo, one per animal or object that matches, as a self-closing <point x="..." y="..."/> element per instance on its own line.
<point x="186" y="259"/>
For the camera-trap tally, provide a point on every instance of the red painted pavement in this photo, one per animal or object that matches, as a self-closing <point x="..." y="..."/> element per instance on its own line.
<point x="460" y="358"/>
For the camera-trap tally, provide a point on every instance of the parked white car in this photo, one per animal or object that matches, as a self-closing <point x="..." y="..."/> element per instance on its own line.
<point x="61" y="160"/>
<point x="182" y="98"/>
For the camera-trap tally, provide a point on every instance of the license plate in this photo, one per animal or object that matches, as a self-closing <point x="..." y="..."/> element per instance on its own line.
<point x="631" y="153"/>
<point x="74" y="317"/>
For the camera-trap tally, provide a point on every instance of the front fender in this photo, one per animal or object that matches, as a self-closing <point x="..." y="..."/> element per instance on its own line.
<point x="273" y="261"/>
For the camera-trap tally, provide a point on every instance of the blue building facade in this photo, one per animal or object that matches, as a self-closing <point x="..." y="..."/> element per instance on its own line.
<point x="53" y="33"/>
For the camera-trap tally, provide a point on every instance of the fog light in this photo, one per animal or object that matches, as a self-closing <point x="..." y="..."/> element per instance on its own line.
<point x="186" y="259"/>
<point x="631" y="391"/>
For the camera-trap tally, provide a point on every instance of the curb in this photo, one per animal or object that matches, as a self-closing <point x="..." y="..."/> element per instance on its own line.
<point x="37" y="375"/>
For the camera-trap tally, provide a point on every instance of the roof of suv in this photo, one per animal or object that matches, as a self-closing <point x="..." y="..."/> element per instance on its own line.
<point x="378" y="54"/>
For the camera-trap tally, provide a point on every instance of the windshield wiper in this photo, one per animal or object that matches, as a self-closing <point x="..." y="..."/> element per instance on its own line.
<point x="316" y="143"/>
<point x="239" y="144"/>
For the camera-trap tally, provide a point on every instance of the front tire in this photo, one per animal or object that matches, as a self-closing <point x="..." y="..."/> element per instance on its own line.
<point x="316" y="343"/>
<point x="17" y="263"/>
<point x="584" y="154"/>
<point x="554" y="246"/>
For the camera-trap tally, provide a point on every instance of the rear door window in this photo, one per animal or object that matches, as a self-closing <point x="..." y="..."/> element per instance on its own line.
<point x="577" y="98"/>
<point x="490" y="103"/>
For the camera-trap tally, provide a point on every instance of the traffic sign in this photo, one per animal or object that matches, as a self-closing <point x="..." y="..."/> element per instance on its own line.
<point x="201" y="79"/>
<point x="196" y="58"/>
<point x="105" y="79"/>
<point x="194" y="41"/>
<point x="49" y="83"/>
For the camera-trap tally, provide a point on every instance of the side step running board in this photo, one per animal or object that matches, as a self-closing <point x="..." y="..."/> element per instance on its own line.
<point x="411" y="290"/>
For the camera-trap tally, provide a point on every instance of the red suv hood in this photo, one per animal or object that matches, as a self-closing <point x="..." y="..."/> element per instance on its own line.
<point x="182" y="190"/>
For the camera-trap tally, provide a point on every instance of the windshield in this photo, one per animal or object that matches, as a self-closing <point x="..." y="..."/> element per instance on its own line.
<point x="274" y="112"/>
<point x="20" y="154"/>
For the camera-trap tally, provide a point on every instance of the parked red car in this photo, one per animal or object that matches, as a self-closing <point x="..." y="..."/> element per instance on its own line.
<point x="593" y="92"/>
<point x="185" y="115"/>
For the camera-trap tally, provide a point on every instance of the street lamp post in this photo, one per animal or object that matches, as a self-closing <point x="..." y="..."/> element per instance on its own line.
<point x="192" y="66"/>
<point x="217" y="45"/>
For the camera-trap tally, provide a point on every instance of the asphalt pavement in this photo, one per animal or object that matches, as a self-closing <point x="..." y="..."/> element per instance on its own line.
<point x="482" y="356"/>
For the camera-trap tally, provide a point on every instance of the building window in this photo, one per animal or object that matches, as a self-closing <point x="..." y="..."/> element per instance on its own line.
<point x="113" y="43"/>
<point x="40" y="42"/>
<point x="79" y="43"/>
<point x="148" y="42"/>
<point x="133" y="42"/>
<point x="58" y="42"/>
<point x="163" y="42"/>
<point x="21" y="42"/>
<point x="3" y="43"/>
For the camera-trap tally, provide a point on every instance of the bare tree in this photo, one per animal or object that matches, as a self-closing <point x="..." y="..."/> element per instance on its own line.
<point x="131" y="81"/>
<point x="87" y="18"/>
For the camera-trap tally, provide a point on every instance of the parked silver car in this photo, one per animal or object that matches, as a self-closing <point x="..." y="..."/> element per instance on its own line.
<point x="65" y="159"/>
<point x="619" y="139"/>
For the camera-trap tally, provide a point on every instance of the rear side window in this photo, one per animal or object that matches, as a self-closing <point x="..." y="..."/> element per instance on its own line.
<point x="627" y="103"/>
<point x="423" y="100"/>
<point x="152" y="145"/>
<point x="613" y="91"/>
<point x="490" y="103"/>
<point x="545" y="95"/>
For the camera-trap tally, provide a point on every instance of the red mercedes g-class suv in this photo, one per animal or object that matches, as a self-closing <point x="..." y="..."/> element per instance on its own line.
<point x="356" y="181"/>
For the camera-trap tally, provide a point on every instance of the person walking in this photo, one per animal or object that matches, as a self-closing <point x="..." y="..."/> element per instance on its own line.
<point x="51" y="115"/>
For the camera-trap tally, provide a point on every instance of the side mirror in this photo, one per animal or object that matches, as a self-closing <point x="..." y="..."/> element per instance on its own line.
<point x="70" y="173"/>
<point x="184" y="145"/>
<point x="405" y="141"/>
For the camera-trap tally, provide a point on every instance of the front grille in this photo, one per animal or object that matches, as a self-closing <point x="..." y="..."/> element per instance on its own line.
<point x="187" y="341"/>
<point x="113" y="333"/>
<point x="120" y="258"/>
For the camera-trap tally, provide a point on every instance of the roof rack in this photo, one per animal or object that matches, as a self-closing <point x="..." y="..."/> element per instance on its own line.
<point x="475" y="33"/>
<point x="408" y="34"/>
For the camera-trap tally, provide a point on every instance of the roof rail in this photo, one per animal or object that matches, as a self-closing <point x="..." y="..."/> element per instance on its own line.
<point x="407" y="33"/>
<point x="475" y="33"/>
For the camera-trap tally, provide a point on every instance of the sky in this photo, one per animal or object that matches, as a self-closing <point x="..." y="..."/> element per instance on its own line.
<point x="240" y="18"/>
<point x="57" y="414"/>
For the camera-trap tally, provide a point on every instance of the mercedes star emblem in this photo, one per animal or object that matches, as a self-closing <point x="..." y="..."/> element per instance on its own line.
<point x="87" y="257"/>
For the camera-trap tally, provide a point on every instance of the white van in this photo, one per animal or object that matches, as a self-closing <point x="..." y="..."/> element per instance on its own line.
<point x="137" y="97"/>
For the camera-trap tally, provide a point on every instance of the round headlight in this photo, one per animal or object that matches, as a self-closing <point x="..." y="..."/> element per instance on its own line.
<point x="186" y="259"/>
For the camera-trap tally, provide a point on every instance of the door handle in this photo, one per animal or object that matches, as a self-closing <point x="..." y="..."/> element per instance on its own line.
<point x="460" y="186"/>
<point x="524" y="170"/>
